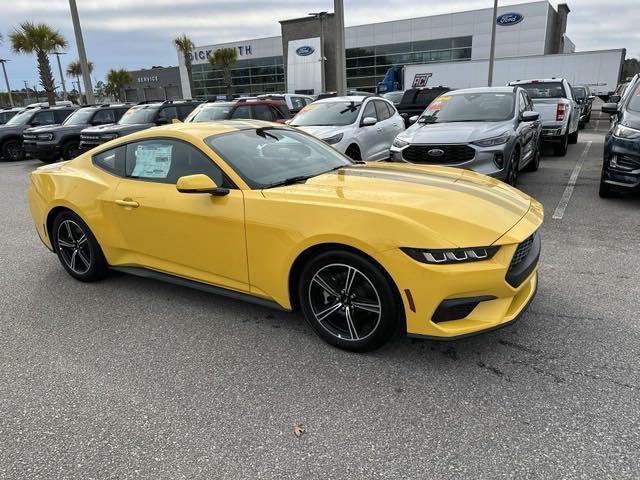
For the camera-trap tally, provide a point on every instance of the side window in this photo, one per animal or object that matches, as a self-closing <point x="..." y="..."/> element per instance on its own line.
<point x="111" y="160"/>
<point x="391" y="108"/>
<point x="168" y="114"/>
<point x="383" y="111"/>
<point x="103" y="116"/>
<point x="243" y="111"/>
<point x="523" y="104"/>
<point x="61" y="115"/>
<point x="369" y="111"/>
<point x="165" y="161"/>
<point x="298" y="103"/>
<point x="119" y="112"/>
<point x="263" y="112"/>
<point x="44" y="118"/>
<point x="184" y="110"/>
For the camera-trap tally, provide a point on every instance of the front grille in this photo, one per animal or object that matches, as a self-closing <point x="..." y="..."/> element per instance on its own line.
<point x="28" y="136"/>
<point x="628" y="162"/>
<point x="90" y="138"/>
<point x="438" y="153"/>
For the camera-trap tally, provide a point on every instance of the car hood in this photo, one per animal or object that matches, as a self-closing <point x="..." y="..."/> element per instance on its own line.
<point x="447" y="206"/>
<point x="116" y="128"/>
<point x="324" y="131"/>
<point x="49" y="128"/>
<point x="453" y="132"/>
<point x="12" y="129"/>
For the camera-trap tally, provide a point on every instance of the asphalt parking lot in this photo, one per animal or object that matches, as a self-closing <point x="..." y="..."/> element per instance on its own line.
<point x="133" y="378"/>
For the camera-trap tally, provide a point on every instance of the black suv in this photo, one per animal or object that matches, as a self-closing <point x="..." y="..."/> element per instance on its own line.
<point x="49" y="143"/>
<point x="139" y="117"/>
<point x="7" y="113"/>
<point x="416" y="100"/>
<point x="621" y="166"/>
<point x="11" y="132"/>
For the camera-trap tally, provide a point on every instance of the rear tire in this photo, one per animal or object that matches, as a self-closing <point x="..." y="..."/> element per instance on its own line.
<point x="353" y="152"/>
<point x="573" y="137"/>
<point x="12" y="150"/>
<point x="348" y="301"/>
<point x="560" y="149"/>
<point x="77" y="248"/>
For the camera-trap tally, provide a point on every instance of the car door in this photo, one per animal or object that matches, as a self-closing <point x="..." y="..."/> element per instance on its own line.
<point x="369" y="136"/>
<point x="192" y="235"/>
<point x="524" y="130"/>
<point x="390" y="123"/>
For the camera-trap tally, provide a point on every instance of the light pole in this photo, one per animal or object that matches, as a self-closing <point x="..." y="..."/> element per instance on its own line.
<point x="64" y="87"/>
<point x="321" y="16"/>
<point x="492" y="51"/>
<point x="26" y="87"/>
<point x="341" y="68"/>
<point x="82" y="54"/>
<point x="6" y="80"/>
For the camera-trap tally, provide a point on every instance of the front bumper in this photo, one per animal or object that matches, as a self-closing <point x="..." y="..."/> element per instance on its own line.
<point x="37" y="149"/>
<point x="621" y="167"/>
<point x="425" y="287"/>
<point x="490" y="161"/>
<point x="87" y="143"/>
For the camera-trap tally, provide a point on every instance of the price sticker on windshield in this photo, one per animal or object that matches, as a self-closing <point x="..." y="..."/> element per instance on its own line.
<point x="438" y="103"/>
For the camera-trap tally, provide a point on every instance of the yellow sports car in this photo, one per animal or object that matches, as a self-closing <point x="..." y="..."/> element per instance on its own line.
<point x="267" y="213"/>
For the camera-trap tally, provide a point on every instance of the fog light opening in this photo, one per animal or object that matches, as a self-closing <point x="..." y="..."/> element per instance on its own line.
<point x="498" y="159"/>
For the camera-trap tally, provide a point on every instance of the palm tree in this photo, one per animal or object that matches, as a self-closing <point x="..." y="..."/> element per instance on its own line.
<point x="184" y="45"/>
<point x="225" y="58"/>
<point x="40" y="39"/>
<point x="74" y="71"/>
<point x="116" y="81"/>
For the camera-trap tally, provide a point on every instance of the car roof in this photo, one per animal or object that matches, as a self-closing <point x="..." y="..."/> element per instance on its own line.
<point x="204" y="130"/>
<point x="537" y="80"/>
<point x="482" y="90"/>
<point x="348" y="98"/>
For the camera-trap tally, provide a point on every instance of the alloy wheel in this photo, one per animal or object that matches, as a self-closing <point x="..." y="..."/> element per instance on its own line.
<point x="345" y="302"/>
<point x="74" y="247"/>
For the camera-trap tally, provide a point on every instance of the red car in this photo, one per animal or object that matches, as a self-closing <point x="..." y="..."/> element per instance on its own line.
<point x="267" y="109"/>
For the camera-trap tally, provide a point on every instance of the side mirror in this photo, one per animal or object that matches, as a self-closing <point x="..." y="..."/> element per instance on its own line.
<point x="199" y="183"/>
<point x="611" y="108"/>
<point x="162" y="121"/>
<point x="413" y="119"/>
<point x="368" y="121"/>
<point x="35" y="124"/>
<point x="592" y="97"/>
<point x="529" y="116"/>
<point x="614" y="98"/>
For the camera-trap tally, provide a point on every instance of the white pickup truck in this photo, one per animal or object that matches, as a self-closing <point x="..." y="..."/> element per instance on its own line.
<point x="559" y="111"/>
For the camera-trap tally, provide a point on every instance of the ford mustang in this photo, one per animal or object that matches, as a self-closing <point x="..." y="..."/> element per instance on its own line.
<point x="266" y="213"/>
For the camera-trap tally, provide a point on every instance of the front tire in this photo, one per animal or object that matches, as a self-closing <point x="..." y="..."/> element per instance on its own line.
<point x="514" y="166"/>
<point x="353" y="152"/>
<point x="348" y="301"/>
<point x="605" y="190"/>
<point x="77" y="248"/>
<point x="71" y="150"/>
<point x="534" y="163"/>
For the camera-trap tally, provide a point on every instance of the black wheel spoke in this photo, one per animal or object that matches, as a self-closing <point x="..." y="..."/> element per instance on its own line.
<point x="350" y="323"/>
<point x="320" y="316"/>
<point x="324" y="285"/>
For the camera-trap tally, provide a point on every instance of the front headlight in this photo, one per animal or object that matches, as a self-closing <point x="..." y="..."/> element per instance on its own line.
<point x="625" y="132"/>
<point x="335" y="139"/>
<point x="453" y="255"/>
<point x="45" y="136"/>
<point x="399" y="143"/>
<point x="109" y="136"/>
<point x="493" y="141"/>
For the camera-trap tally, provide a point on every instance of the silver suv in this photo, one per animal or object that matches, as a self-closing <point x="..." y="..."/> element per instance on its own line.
<point x="491" y="130"/>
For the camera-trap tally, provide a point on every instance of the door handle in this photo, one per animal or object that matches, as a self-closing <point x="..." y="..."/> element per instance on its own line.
<point x="127" y="203"/>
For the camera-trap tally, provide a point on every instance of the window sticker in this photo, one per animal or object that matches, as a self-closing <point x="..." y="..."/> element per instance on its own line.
<point x="152" y="161"/>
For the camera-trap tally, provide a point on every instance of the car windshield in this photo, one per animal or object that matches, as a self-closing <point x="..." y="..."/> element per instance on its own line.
<point x="580" y="92"/>
<point x="394" y="97"/>
<point x="79" y="117"/>
<point x="544" y="89"/>
<point x="268" y="157"/>
<point x="209" y="113"/>
<point x="140" y="114"/>
<point x="21" y="119"/>
<point x="470" y="107"/>
<point x="634" y="103"/>
<point x="327" y="114"/>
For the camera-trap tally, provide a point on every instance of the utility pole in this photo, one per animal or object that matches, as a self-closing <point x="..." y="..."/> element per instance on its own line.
<point x="82" y="54"/>
<point x="341" y="68"/>
<point x="6" y="80"/>
<point x="321" y="16"/>
<point x="64" y="87"/>
<point x="26" y="87"/>
<point x="492" y="52"/>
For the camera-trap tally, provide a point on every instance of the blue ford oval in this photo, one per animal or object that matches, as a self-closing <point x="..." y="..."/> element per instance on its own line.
<point x="511" y="18"/>
<point x="304" y="51"/>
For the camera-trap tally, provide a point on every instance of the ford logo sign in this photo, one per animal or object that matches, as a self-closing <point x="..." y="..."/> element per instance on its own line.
<point x="304" y="51"/>
<point x="435" y="152"/>
<point x="509" y="19"/>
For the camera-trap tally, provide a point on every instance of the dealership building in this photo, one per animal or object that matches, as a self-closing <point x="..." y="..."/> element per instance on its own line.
<point x="154" y="84"/>
<point x="292" y="62"/>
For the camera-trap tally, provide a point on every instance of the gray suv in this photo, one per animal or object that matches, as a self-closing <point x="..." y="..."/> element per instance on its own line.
<point x="491" y="130"/>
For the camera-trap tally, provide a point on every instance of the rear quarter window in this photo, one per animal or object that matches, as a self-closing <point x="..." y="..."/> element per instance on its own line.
<point x="111" y="161"/>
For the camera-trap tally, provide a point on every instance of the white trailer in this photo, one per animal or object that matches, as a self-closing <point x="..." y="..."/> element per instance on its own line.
<point x="599" y="70"/>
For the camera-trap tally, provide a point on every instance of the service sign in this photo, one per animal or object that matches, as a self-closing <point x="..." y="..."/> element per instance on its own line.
<point x="508" y="19"/>
<point x="421" y="79"/>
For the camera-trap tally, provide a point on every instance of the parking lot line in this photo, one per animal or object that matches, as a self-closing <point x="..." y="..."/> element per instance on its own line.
<point x="568" y="191"/>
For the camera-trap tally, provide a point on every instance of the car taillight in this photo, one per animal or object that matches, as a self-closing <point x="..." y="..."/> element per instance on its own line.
<point x="560" y="112"/>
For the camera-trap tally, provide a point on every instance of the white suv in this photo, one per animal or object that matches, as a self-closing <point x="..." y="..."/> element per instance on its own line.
<point x="361" y="127"/>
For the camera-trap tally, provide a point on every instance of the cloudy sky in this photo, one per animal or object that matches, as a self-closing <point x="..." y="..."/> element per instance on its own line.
<point x="137" y="33"/>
